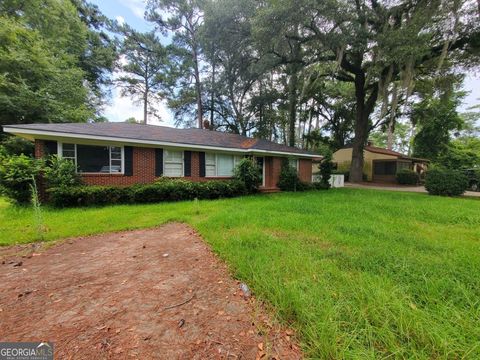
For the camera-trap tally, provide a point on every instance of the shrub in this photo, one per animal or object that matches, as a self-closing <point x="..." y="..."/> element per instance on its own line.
<point x="88" y="195"/>
<point x="60" y="172"/>
<point x="445" y="182"/>
<point x="408" y="177"/>
<point x="14" y="145"/>
<point x="16" y="175"/>
<point x="248" y="172"/>
<point x="160" y="191"/>
<point x="288" y="180"/>
<point x="317" y="185"/>
<point x="326" y="168"/>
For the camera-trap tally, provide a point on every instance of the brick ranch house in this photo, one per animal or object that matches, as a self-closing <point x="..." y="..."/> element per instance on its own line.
<point x="126" y="154"/>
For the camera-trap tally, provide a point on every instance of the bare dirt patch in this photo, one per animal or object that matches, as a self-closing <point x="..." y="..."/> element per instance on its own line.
<point x="158" y="293"/>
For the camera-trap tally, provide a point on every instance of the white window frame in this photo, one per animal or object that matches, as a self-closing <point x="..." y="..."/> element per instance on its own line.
<point x="165" y="151"/>
<point x="236" y="159"/>
<point x="60" y="154"/>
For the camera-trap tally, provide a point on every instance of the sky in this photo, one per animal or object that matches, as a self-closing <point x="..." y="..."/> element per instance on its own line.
<point x="132" y="12"/>
<point x="121" y="108"/>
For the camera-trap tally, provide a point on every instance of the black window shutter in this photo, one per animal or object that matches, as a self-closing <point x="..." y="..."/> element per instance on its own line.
<point x="158" y="162"/>
<point x="50" y="147"/>
<point x="128" y="151"/>
<point x="187" y="162"/>
<point x="202" y="163"/>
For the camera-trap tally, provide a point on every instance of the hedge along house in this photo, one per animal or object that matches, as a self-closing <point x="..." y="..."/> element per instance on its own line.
<point x="125" y="154"/>
<point x="380" y="165"/>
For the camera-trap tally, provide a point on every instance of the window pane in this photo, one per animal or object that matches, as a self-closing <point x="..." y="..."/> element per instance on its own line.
<point x="116" y="166"/>
<point x="174" y="156"/>
<point x="225" y="165"/>
<point x="210" y="165"/>
<point x="171" y="169"/>
<point x="210" y="170"/>
<point x="93" y="158"/>
<point x="209" y="159"/>
<point x="68" y="150"/>
<point x="116" y="152"/>
<point x="173" y="163"/>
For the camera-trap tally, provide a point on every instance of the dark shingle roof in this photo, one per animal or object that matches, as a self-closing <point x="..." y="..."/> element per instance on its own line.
<point x="191" y="136"/>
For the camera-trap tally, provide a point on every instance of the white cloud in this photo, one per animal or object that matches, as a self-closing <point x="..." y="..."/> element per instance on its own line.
<point x="120" y="20"/>
<point x="136" y="6"/>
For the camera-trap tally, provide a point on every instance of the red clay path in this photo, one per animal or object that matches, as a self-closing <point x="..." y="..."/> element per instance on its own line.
<point x="148" y="294"/>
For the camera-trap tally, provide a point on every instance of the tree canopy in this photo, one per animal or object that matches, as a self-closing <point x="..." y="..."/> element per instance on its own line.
<point x="307" y="73"/>
<point x="54" y="61"/>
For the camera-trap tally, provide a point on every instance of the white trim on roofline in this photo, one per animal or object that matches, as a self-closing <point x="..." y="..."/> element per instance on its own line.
<point x="14" y="130"/>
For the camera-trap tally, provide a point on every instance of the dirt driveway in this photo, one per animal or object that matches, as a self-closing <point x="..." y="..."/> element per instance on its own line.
<point x="148" y="294"/>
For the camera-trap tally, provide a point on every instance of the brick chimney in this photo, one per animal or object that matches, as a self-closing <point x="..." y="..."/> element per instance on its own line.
<point x="206" y="125"/>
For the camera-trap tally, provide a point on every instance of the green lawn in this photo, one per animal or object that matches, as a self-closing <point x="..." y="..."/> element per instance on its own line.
<point x="359" y="273"/>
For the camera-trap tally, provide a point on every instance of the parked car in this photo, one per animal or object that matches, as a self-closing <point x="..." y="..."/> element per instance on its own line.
<point x="473" y="176"/>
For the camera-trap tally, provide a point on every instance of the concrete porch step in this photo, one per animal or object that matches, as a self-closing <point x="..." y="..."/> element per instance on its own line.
<point x="269" y="190"/>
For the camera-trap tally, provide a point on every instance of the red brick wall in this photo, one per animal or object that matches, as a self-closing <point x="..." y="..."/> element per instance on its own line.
<point x="39" y="148"/>
<point x="144" y="169"/>
<point x="273" y="166"/>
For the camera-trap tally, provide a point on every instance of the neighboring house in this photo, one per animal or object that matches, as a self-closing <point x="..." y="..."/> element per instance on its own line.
<point x="127" y="154"/>
<point x="380" y="165"/>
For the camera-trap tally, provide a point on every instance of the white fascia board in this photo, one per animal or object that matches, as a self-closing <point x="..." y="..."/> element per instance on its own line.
<point x="20" y="131"/>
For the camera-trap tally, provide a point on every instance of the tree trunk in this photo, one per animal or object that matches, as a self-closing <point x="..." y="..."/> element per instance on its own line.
<point x="212" y="92"/>
<point x="145" y="95"/>
<point x="292" y="107"/>
<point x="364" y="108"/>
<point x="198" y="89"/>
<point x="356" y="168"/>
<point x="310" y="120"/>
<point x="145" y="107"/>
<point x="390" y="131"/>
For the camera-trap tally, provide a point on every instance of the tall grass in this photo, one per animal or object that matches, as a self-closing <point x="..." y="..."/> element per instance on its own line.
<point x="359" y="273"/>
<point x="37" y="211"/>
